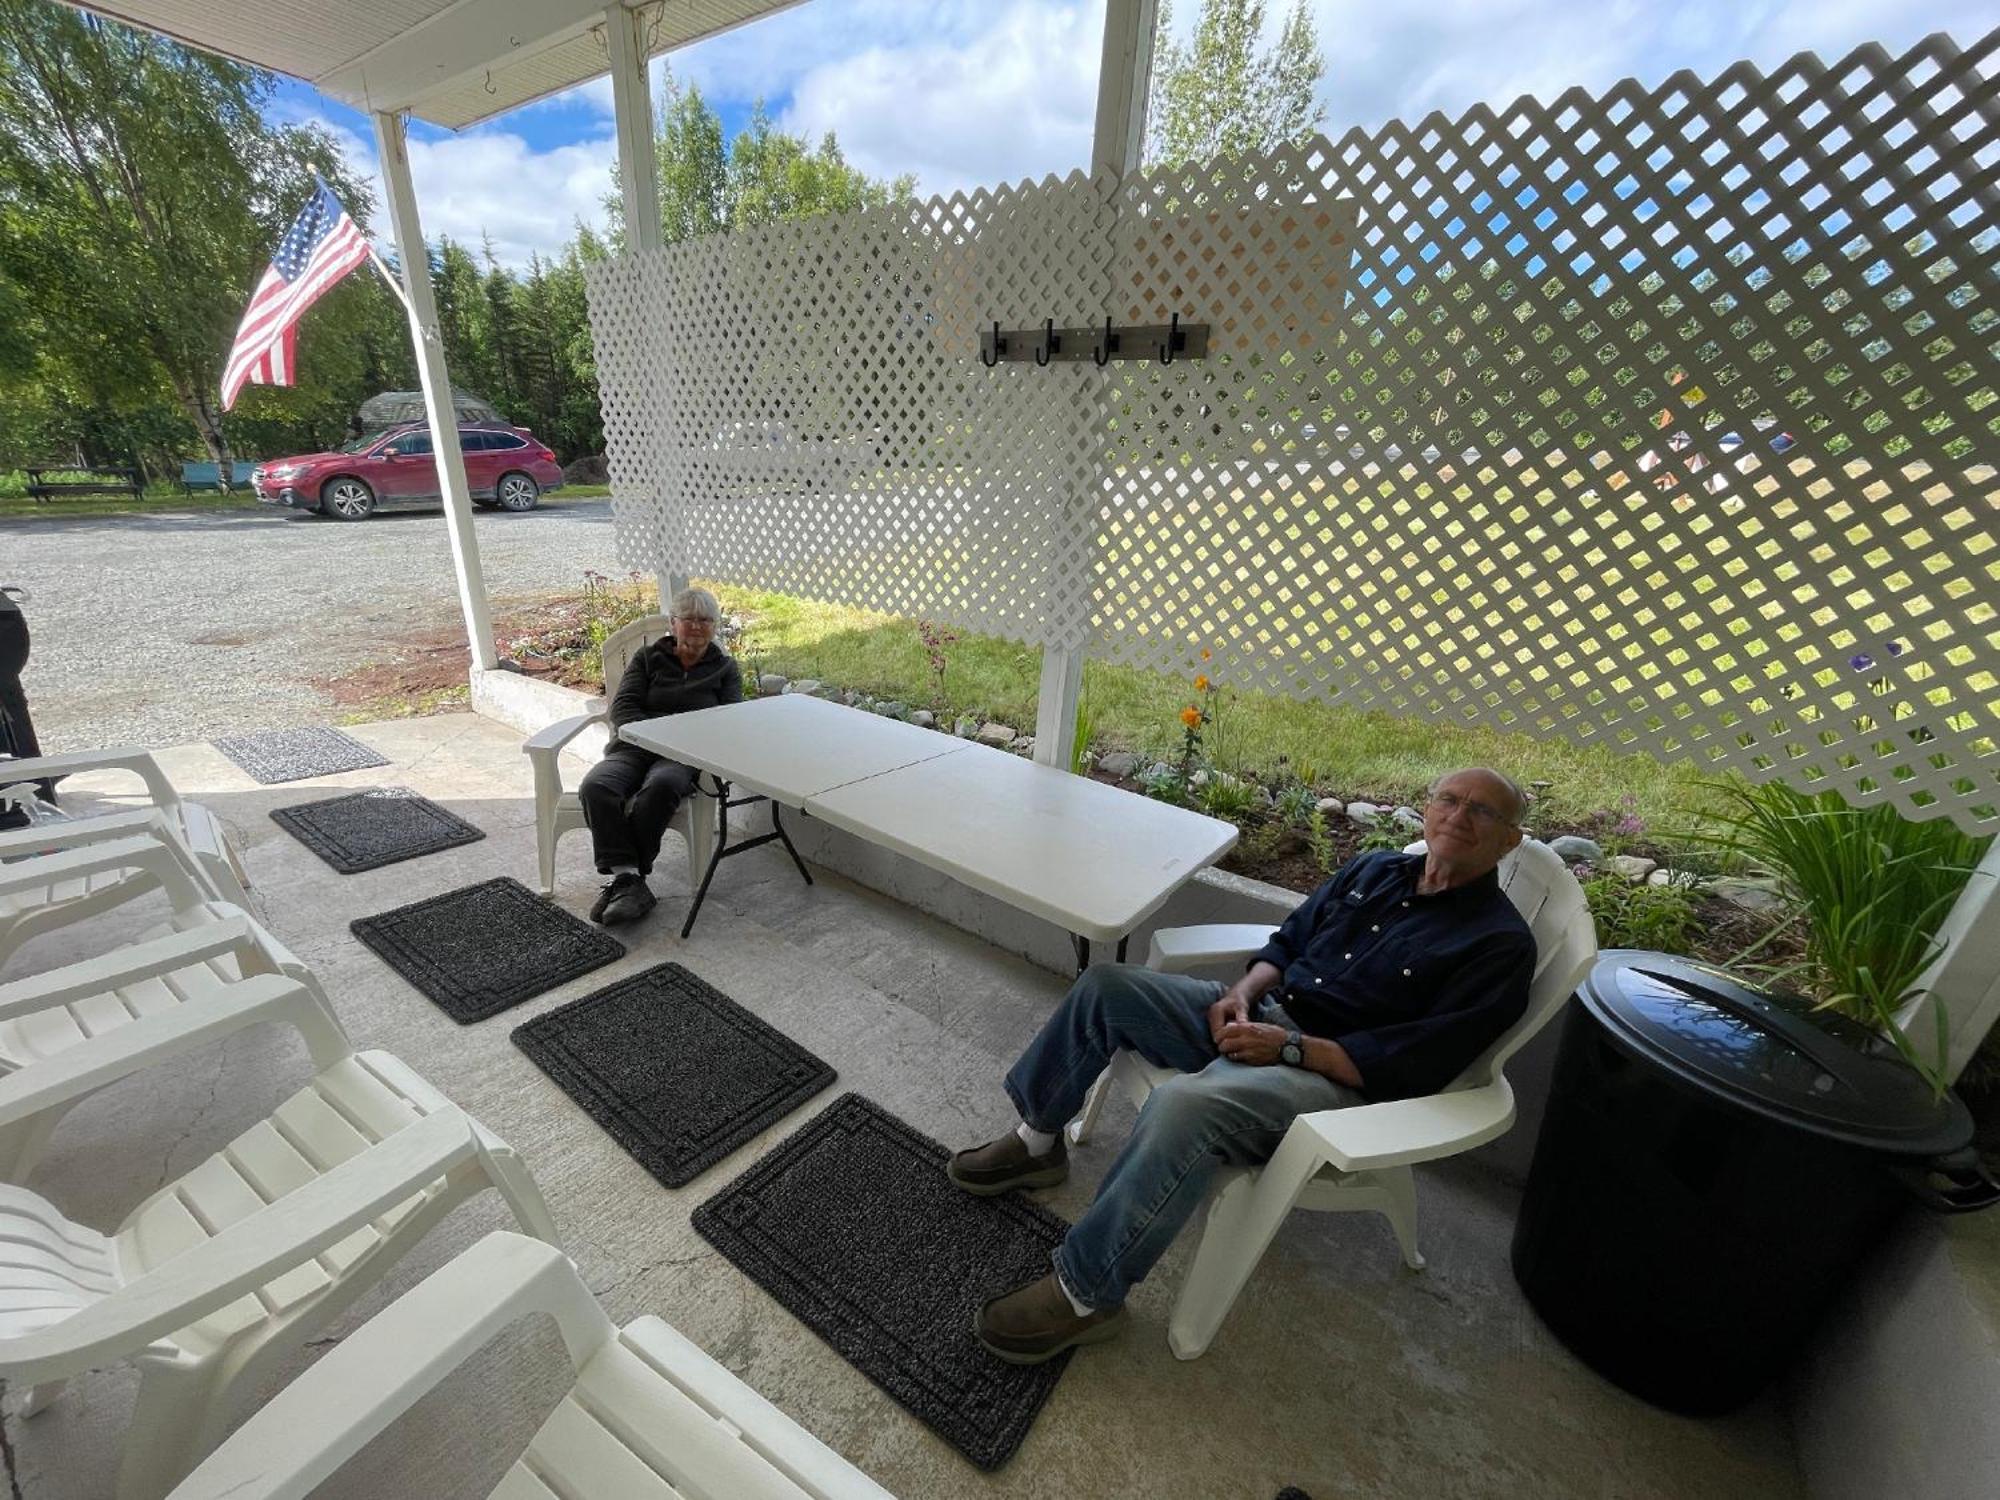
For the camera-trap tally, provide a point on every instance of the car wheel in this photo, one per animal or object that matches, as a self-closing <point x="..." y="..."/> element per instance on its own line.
<point x="347" y="499"/>
<point x="518" y="492"/>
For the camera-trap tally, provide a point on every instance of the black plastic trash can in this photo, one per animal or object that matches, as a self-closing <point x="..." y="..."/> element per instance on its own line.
<point x="1713" y="1164"/>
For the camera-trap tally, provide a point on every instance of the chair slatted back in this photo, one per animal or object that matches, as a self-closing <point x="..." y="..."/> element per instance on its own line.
<point x="627" y="642"/>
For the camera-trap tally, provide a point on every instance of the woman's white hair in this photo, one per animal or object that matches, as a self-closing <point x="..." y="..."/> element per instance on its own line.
<point x="696" y="604"/>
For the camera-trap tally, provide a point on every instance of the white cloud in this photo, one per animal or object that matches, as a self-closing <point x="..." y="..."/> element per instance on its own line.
<point x="490" y="183"/>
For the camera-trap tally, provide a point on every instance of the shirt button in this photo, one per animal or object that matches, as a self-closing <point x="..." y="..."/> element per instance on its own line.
<point x="1319" y="981"/>
<point x="1406" y="973"/>
<point x="1347" y="955"/>
<point x="1406" y="903"/>
<point x="1376" y="928"/>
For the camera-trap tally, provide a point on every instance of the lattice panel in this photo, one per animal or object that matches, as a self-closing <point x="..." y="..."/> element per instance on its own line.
<point x="1663" y="419"/>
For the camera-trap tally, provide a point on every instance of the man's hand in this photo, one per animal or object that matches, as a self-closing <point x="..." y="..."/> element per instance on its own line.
<point x="1230" y="1006"/>
<point x="1251" y="1042"/>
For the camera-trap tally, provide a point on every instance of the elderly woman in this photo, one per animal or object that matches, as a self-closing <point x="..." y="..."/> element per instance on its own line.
<point x="629" y="796"/>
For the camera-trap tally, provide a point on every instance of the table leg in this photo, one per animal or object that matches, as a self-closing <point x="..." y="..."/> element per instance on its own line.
<point x="1082" y="952"/>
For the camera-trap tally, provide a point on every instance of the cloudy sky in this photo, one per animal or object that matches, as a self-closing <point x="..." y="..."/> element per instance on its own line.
<point x="963" y="92"/>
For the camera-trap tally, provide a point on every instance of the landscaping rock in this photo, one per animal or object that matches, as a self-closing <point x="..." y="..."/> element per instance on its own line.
<point x="1574" y="849"/>
<point x="1631" y="866"/>
<point x="1000" y="736"/>
<point x="1200" y="778"/>
<point x="1158" y="769"/>
<point x="850" y="697"/>
<point x="590" y="469"/>
<point x="771" y="684"/>
<point x="1408" y="818"/>
<point x="1364" y="814"/>
<point x="1748" y="895"/>
<point x="1685" y="880"/>
<point x="1119" y="763"/>
<point x="891" y="709"/>
<point x="1332" y="807"/>
<point x="1024" y="744"/>
<point x="923" y="718"/>
<point x="808" y="685"/>
<point x="966" y="729"/>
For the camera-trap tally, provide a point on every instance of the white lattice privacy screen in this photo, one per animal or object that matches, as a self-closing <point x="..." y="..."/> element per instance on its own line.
<point x="1663" y="419"/>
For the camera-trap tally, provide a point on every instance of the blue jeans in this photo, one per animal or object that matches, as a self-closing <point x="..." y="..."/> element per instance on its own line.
<point x="1217" y="1113"/>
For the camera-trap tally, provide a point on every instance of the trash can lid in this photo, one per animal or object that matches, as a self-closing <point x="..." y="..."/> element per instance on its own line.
<point x="1771" y="1053"/>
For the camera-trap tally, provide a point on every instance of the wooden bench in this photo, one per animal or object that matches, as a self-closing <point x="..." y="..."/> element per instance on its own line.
<point x="100" y="481"/>
<point x="208" y="476"/>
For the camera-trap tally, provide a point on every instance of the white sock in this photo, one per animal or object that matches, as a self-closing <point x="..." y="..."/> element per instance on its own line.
<point x="1083" y="1309"/>
<point x="1037" y="1142"/>
<point x="624" y="869"/>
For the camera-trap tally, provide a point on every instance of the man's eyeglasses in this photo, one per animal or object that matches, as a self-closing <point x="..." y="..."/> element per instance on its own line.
<point x="1451" y="802"/>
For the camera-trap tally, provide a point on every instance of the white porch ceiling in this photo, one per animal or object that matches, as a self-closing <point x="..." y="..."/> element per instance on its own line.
<point x="451" y="62"/>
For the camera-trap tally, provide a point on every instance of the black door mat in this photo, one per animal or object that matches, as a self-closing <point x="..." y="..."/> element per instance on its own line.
<point x="675" y="1071"/>
<point x="365" y="830"/>
<point x="478" y="950"/>
<point x="274" y="755"/>
<point x="852" y="1225"/>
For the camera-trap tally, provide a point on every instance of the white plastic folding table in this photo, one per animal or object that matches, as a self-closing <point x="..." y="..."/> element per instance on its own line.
<point x="1094" y="859"/>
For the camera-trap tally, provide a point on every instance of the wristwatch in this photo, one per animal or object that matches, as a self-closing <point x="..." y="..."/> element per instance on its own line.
<point x="1293" y="1053"/>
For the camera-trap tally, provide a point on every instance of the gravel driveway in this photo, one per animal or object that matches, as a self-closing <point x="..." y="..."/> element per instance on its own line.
<point x="165" y="628"/>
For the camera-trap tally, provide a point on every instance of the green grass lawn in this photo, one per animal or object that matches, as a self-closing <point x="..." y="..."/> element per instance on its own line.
<point x="15" y="503"/>
<point x="1342" y="750"/>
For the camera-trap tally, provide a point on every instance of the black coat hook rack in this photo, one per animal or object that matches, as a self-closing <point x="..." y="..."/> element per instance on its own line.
<point x="1169" y="343"/>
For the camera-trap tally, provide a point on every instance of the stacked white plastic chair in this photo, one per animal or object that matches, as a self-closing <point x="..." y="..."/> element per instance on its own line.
<point x="650" y="1416"/>
<point x="1359" y="1157"/>
<point x="559" y="810"/>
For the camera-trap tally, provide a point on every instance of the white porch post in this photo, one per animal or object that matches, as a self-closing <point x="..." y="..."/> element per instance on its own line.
<point x="1124" y="80"/>
<point x="638" y="168"/>
<point x="392" y="144"/>
<point x="1965" y="977"/>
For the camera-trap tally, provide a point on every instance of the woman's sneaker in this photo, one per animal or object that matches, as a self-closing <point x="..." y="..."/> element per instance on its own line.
<point x="612" y="888"/>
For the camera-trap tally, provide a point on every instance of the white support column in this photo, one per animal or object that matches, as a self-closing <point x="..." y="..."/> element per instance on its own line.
<point x="1965" y="977"/>
<point x="1124" y="82"/>
<point x="392" y="146"/>
<point x="638" y="166"/>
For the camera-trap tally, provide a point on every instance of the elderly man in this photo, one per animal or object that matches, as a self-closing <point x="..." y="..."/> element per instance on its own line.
<point x="1386" y="983"/>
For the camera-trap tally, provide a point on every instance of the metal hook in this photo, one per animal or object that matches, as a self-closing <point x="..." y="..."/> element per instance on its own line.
<point x="1102" y="353"/>
<point x="1049" y="342"/>
<point x="489" y="82"/>
<point x="1173" y="336"/>
<point x="997" y="347"/>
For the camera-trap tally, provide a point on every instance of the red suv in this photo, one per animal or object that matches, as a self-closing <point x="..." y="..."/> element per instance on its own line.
<point x="393" y="470"/>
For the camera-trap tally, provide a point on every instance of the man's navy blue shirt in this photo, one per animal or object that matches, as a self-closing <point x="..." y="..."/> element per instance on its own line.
<point x="1413" y="987"/>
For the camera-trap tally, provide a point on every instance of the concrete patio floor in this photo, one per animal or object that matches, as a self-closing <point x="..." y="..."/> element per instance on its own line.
<point x="1339" y="1371"/>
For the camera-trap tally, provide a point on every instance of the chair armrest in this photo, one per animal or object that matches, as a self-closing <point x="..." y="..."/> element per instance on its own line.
<point x="244" y="1256"/>
<point x="551" y="740"/>
<point x="119" y="1053"/>
<point x="386" y="1366"/>
<point x="149" y="854"/>
<point x="134" y="758"/>
<point x="1401" y="1131"/>
<point x="1175" y="950"/>
<point x="74" y="833"/>
<point x="93" y="976"/>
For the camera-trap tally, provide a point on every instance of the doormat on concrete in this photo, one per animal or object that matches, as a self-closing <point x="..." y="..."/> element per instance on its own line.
<point x="675" y="1071"/>
<point x="478" y="950"/>
<point x="273" y="755"/>
<point x="365" y="830"/>
<point x="852" y="1225"/>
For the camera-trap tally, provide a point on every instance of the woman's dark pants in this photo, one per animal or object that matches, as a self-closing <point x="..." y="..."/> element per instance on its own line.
<point x="628" y="798"/>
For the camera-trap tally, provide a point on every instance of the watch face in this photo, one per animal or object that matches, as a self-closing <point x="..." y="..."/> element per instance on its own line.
<point x="1291" y="1054"/>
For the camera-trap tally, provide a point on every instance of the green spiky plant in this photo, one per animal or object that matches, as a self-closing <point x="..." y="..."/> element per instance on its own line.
<point x="1870" y="887"/>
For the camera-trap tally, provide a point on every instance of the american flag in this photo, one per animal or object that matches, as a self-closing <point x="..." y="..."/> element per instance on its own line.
<point x="322" y="246"/>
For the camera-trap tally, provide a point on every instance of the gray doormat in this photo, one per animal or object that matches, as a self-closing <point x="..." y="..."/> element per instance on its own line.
<point x="852" y="1225"/>
<point x="675" y="1071"/>
<point x="478" y="950"/>
<point x="274" y="755"/>
<point x="365" y="830"/>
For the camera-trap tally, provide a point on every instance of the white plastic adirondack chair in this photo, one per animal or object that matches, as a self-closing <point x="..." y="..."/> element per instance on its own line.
<point x="198" y="828"/>
<point x="559" y="811"/>
<point x="58" y="874"/>
<point x="216" y="1277"/>
<point x="651" y="1417"/>
<point x="1360" y="1157"/>
<point x="179" y="983"/>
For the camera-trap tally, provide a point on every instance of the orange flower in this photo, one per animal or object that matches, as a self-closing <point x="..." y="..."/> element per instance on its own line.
<point x="1191" y="716"/>
<point x="1206" y="654"/>
<point x="1201" y="684"/>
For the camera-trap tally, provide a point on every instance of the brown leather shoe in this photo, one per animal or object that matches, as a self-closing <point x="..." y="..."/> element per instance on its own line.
<point x="1037" y="1323"/>
<point x="1004" y="1164"/>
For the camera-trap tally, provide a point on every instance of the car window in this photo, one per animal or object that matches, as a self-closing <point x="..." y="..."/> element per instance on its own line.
<point x="500" y="440"/>
<point x="413" y="444"/>
<point x="475" y="442"/>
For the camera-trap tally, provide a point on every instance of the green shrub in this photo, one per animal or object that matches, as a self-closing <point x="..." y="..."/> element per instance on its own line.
<point x="1164" y="785"/>
<point x="1388" y="837"/>
<point x="1320" y="840"/>
<point x="1658" y="918"/>
<point x="1296" y="803"/>
<point x="1227" y="797"/>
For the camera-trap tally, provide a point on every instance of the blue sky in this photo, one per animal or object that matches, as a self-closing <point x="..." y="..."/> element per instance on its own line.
<point x="964" y="92"/>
